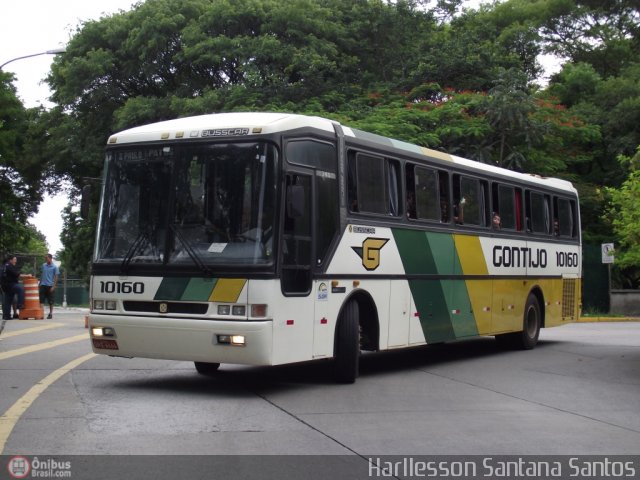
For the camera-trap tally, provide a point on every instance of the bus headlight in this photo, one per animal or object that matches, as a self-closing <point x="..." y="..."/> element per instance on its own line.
<point x="103" y="332"/>
<point x="98" y="304"/>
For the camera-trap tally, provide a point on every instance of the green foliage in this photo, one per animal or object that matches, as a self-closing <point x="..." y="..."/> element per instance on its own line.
<point x="624" y="215"/>
<point x="20" y="174"/>
<point x="576" y="83"/>
<point x="77" y="237"/>
<point x="602" y="33"/>
<point x="34" y="243"/>
<point x="414" y="70"/>
<point x="611" y="104"/>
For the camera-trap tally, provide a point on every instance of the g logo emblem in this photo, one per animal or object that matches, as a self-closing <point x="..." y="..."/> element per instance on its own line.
<point x="164" y="308"/>
<point x="370" y="252"/>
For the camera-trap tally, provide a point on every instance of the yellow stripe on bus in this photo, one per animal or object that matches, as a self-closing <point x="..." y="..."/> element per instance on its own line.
<point x="436" y="154"/>
<point x="470" y="255"/>
<point x="480" y="291"/>
<point x="227" y="290"/>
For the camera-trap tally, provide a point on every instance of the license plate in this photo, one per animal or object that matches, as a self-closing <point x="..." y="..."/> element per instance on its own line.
<point x="105" y="344"/>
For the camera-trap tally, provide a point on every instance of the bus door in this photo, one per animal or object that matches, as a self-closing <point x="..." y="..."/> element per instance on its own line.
<point x="298" y="252"/>
<point x="297" y="245"/>
<point x="310" y="227"/>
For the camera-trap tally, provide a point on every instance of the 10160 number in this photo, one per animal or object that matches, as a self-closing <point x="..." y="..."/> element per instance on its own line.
<point x="122" y="287"/>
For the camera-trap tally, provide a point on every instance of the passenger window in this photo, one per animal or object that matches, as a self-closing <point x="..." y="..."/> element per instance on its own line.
<point x="470" y="201"/>
<point x="314" y="154"/>
<point x="371" y="190"/>
<point x="422" y="193"/>
<point x="427" y="193"/>
<point x="373" y="185"/>
<point x="507" y="207"/>
<point x="564" y="225"/>
<point x="538" y="213"/>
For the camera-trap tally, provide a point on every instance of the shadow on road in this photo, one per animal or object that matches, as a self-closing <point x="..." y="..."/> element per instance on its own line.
<point x="232" y="380"/>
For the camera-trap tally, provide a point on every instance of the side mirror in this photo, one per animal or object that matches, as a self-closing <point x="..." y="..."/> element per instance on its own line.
<point x="295" y="201"/>
<point x="85" y="201"/>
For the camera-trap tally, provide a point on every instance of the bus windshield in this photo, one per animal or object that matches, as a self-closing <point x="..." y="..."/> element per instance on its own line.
<point x="202" y="205"/>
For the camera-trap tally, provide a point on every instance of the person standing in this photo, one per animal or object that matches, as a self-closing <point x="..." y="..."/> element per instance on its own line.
<point x="10" y="282"/>
<point x="48" y="282"/>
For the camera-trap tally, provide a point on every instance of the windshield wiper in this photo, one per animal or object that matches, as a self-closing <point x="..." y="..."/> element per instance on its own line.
<point x="190" y="251"/>
<point x="138" y="242"/>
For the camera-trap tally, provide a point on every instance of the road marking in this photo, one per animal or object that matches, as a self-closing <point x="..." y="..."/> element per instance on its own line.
<point x="25" y="331"/>
<point x="10" y="418"/>
<point x="42" y="346"/>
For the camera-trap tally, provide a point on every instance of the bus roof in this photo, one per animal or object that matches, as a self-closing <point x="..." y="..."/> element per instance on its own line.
<point x="220" y="125"/>
<point x="238" y="124"/>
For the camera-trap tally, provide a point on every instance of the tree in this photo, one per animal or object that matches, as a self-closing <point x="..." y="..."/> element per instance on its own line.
<point x="77" y="237"/>
<point x="410" y="69"/>
<point x="613" y="104"/>
<point x="20" y="176"/>
<point x="35" y="244"/>
<point x="508" y="108"/>
<point x="602" y="33"/>
<point x="624" y="215"/>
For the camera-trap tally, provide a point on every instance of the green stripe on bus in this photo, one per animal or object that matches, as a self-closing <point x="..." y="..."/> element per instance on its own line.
<point x="171" y="288"/>
<point x="442" y="244"/>
<point x="462" y="318"/>
<point x="415" y="252"/>
<point x="199" y="289"/>
<point x="429" y="296"/>
<point x="458" y="304"/>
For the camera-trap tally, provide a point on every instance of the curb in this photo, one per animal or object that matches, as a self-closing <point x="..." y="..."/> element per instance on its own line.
<point x="608" y="319"/>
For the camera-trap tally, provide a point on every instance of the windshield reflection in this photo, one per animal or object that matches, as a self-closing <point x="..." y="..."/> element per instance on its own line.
<point x="200" y="205"/>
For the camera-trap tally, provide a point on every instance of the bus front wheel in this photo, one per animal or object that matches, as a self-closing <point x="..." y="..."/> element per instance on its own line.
<point x="204" y="368"/>
<point x="347" y="345"/>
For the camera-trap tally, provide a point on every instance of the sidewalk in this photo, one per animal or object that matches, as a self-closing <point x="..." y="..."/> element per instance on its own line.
<point x="608" y="319"/>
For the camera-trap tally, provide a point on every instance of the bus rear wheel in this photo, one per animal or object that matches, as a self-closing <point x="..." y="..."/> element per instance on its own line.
<point x="204" y="368"/>
<point x="347" y="345"/>
<point x="531" y="323"/>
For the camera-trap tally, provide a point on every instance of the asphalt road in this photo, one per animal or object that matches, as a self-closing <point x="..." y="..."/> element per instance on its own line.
<point x="577" y="393"/>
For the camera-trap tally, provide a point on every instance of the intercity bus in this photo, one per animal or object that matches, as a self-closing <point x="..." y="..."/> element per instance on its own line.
<point x="273" y="238"/>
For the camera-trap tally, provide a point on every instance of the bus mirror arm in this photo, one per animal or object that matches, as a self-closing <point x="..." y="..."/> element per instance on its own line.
<point x="85" y="201"/>
<point x="295" y="201"/>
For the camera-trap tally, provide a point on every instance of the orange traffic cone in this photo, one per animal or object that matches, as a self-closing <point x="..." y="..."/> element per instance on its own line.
<point x="32" y="307"/>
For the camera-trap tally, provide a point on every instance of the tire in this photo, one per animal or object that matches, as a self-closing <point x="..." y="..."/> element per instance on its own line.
<point x="347" y="345"/>
<point x="531" y="323"/>
<point x="204" y="368"/>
